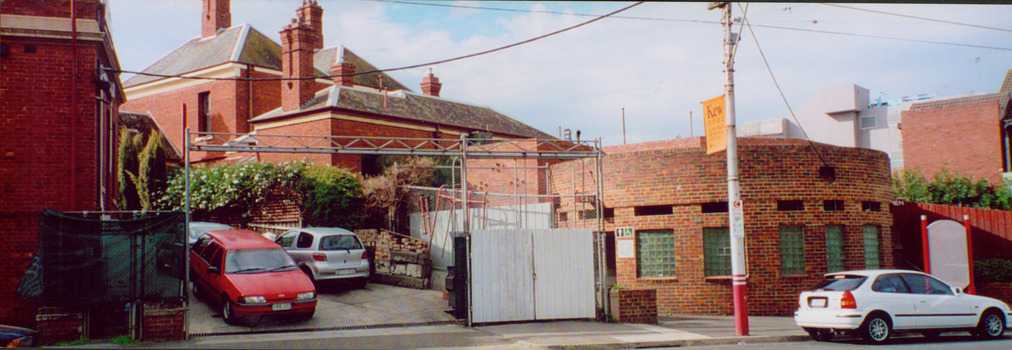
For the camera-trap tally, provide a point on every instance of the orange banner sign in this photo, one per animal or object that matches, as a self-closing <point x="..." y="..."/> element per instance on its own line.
<point x="715" y="124"/>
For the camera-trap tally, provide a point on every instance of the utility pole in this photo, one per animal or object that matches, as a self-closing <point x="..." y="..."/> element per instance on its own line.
<point x="735" y="210"/>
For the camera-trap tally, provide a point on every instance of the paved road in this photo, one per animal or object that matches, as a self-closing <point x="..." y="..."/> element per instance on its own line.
<point x="949" y="341"/>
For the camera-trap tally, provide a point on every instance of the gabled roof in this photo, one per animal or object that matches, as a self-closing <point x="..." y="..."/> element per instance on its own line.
<point x="145" y="124"/>
<point x="242" y="44"/>
<point x="414" y="107"/>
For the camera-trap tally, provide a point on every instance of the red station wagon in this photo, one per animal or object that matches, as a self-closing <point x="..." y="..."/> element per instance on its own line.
<point x="249" y="275"/>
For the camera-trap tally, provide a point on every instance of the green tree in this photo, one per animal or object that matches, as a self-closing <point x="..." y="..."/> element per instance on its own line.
<point x="127" y="167"/>
<point x="333" y="197"/>
<point x="951" y="188"/>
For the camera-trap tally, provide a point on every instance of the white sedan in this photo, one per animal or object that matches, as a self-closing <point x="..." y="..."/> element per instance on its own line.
<point x="876" y="303"/>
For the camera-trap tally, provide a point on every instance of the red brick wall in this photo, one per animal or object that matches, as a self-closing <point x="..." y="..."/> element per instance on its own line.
<point x="634" y="305"/>
<point x="163" y="324"/>
<point x="965" y="137"/>
<point x="1000" y="291"/>
<point x="680" y="174"/>
<point x="43" y="135"/>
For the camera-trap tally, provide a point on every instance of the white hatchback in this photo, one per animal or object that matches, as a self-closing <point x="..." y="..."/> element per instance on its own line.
<point x="876" y="303"/>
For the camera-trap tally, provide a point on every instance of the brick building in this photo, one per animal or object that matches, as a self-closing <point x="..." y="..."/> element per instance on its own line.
<point x="323" y="91"/>
<point x="968" y="134"/>
<point x="58" y="123"/>
<point x="799" y="221"/>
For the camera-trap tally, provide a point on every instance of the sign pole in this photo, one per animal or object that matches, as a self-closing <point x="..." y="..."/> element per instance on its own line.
<point x="735" y="210"/>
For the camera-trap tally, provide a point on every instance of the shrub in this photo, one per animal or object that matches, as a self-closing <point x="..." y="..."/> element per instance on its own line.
<point x="992" y="270"/>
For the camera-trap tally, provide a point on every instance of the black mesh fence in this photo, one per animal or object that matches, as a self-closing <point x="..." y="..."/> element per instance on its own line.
<point x="87" y="259"/>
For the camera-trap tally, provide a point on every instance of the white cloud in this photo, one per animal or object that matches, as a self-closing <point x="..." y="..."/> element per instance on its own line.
<point x="658" y="70"/>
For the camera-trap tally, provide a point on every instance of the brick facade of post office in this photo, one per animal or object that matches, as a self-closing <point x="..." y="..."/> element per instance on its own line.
<point x="674" y="188"/>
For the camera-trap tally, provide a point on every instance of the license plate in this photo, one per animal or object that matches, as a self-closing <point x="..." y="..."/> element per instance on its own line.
<point x="282" y="306"/>
<point x="817" y="302"/>
<point x="342" y="272"/>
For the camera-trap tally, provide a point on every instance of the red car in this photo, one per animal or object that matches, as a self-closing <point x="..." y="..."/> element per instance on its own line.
<point x="249" y="275"/>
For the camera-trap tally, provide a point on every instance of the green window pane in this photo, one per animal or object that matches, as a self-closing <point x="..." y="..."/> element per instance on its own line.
<point x="834" y="248"/>
<point x="871" y="253"/>
<point x="792" y="250"/>
<point x="716" y="251"/>
<point x="655" y="253"/>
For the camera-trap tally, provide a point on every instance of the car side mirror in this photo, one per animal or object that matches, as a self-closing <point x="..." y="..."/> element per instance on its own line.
<point x="959" y="291"/>
<point x="213" y="270"/>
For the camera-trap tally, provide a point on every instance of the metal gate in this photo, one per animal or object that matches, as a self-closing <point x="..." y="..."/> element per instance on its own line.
<point x="524" y="275"/>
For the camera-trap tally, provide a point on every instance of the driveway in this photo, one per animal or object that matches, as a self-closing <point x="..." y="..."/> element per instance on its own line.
<point x="339" y="306"/>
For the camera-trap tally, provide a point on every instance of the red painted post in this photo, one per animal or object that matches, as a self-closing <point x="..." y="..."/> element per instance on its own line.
<point x="924" y="244"/>
<point x="971" y="288"/>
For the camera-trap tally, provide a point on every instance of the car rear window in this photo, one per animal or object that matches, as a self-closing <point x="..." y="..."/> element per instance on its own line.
<point x="839" y="283"/>
<point x="340" y="242"/>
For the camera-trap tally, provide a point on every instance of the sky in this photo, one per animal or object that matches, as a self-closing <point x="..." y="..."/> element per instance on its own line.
<point x="655" y="62"/>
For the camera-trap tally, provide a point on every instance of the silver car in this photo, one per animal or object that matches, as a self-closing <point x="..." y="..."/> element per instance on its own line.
<point x="328" y="253"/>
<point x="198" y="228"/>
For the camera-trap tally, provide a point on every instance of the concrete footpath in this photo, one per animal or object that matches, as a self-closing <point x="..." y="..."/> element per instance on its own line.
<point x="672" y="331"/>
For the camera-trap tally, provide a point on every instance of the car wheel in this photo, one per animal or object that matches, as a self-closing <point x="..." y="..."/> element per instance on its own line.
<point x="931" y="334"/>
<point x="226" y="311"/>
<point x="991" y="325"/>
<point x="820" y="334"/>
<point x="196" y="289"/>
<point x="876" y="328"/>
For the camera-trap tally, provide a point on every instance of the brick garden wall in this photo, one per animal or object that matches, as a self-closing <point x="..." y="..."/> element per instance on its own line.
<point x="679" y="174"/>
<point x="397" y="259"/>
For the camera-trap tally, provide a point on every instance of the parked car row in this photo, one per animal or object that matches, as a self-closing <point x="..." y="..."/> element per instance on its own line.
<point x="248" y="274"/>
<point x="877" y="303"/>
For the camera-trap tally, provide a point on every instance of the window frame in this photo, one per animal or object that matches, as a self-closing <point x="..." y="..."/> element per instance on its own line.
<point x="839" y="256"/>
<point x="790" y="252"/>
<point x="204" y="111"/>
<point x="711" y="263"/>
<point x="872" y="257"/>
<point x="664" y="271"/>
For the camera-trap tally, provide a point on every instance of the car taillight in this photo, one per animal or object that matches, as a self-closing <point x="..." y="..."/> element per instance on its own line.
<point x="365" y="255"/>
<point x="319" y="257"/>
<point x="847" y="301"/>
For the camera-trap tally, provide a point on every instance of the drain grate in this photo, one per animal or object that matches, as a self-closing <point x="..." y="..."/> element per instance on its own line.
<point x="326" y="329"/>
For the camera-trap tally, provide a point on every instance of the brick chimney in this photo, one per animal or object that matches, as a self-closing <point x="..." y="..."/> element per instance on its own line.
<point x="431" y="85"/>
<point x="216" y="15"/>
<point x="310" y="12"/>
<point x="298" y="41"/>
<point x="345" y="69"/>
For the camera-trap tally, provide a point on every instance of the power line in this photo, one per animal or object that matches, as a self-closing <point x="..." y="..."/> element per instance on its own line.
<point x="398" y="68"/>
<point x="919" y="18"/>
<point x="719" y="23"/>
<point x="777" y="85"/>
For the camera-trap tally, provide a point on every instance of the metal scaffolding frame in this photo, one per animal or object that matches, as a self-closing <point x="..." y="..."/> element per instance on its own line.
<point x="464" y="147"/>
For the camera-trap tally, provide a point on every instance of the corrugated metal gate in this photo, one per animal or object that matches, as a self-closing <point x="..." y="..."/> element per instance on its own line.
<point x="523" y="275"/>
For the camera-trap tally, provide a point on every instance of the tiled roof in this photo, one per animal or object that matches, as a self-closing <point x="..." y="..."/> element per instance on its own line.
<point x="254" y="48"/>
<point x="145" y="124"/>
<point x="415" y="107"/>
<point x="945" y="102"/>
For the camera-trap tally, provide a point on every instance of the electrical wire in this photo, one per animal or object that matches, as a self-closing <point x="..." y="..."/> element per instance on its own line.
<point x="718" y="22"/>
<point x="775" y="83"/>
<point x="398" y="68"/>
<point x="918" y="18"/>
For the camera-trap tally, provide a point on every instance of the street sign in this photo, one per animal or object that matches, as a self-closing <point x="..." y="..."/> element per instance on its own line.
<point x="737" y="220"/>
